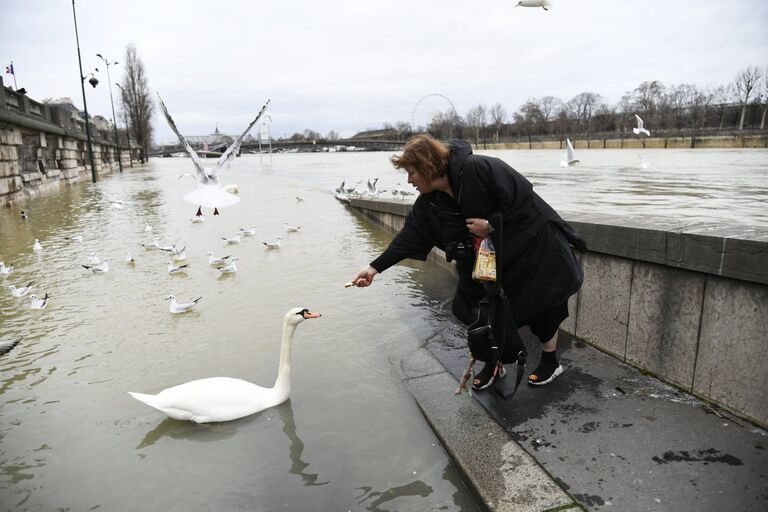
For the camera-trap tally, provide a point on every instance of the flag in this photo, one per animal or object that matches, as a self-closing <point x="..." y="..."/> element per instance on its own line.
<point x="9" y="70"/>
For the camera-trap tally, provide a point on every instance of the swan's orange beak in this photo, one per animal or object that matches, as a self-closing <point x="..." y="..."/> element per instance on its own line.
<point x="312" y="315"/>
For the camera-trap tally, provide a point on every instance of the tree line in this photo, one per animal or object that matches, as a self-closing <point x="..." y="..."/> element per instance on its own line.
<point x="684" y="109"/>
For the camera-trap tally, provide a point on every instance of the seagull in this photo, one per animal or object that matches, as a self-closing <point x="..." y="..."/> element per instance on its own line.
<point x="214" y="261"/>
<point x="179" y="254"/>
<point x="128" y="258"/>
<point x="340" y="189"/>
<point x="175" y="307"/>
<point x="274" y="244"/>
<point x="151" y="246"/>
<point x="98" y="269"/>
<point x="229" y="268"/>
<point x="21" y="291"/>
<point x="148" y="227"/>
<point x="36" y="246"/>
<point x="174" y="269"/>
<point x="544" y="4"/>
<point x="405" y="193"/>
<point x="38" y="303"/>
<point x="248" y="231"/>
<point x="640" y="129"/>
<point x="7" y="345"/>
<point x="5" y="270"/>
<point x="299" y="198"/>
<point x="24" y="215"/>
<point x="372" y="186"/>
<point x="209" y="193"/>
<point x="93" y="258"/>
<point x="167" y="248"/>
<point x="232" y="240"/>
<point x="570" y="155"/>
<point x="76" y="238"/>
<point x="197" y="220"/>
<point x="644" y="164"/>
<point x="291" y="229"/>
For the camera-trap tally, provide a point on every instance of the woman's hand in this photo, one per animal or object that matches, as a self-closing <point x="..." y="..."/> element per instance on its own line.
<point x="479" y="227"/>
<point x="364" y="277"/>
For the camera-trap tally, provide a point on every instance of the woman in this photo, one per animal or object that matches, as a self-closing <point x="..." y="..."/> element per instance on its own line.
<point x="461" y="196"/>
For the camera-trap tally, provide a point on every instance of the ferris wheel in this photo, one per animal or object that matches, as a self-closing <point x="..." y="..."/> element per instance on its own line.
<point x="428" y="106"/>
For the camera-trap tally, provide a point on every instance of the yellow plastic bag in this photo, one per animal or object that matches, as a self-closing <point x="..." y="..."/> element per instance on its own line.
<point x="485" y="262"/>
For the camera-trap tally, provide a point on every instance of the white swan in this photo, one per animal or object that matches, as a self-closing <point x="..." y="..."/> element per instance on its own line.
<point x="209" y="193"/>
<point x="224" y="398"/>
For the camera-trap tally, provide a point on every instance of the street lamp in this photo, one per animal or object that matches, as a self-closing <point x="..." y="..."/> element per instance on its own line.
<point x="94" y="82"/>
<point x="125" y="120"/>
<point x="114" y="121"/>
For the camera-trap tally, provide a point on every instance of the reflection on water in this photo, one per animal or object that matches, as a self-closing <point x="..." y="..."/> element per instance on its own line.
<point x="297" y="446"/>
<point x="417" y="488"/>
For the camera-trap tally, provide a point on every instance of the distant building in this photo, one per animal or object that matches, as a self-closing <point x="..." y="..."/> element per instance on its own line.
<point x="384" y="134"/>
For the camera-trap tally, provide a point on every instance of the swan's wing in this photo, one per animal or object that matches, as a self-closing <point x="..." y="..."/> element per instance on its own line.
<point x="231" y="152"/>
<point x="639" y="122"/>
<point x="192" y="154"/>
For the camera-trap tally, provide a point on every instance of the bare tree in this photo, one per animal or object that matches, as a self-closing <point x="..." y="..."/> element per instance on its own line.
<point x="648" y="96"/>
<point x="136" y="99"/>
<point x="528" y="119"/>
<point x="498" y="115"/>
<point x="763" y="98"/>
<point x="700" y="101"/>
<point x="548" y="107"/>
<point x="722" y="97"/>
<point x="477" y="119"/>
<point x="746" y="81"/>
<point x="582" y="107"/>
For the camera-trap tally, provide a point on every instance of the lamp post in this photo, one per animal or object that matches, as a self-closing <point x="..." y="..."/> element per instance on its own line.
<point x="114" y="121"/>
<point x="125" y="120"/>
<point x="94" y="82"/>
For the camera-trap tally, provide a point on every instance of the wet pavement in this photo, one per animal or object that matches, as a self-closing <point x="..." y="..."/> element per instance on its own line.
<point x="616" y="439"/>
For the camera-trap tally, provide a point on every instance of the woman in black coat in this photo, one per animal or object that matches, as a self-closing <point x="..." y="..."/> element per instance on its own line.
<point x="462" y="196"/>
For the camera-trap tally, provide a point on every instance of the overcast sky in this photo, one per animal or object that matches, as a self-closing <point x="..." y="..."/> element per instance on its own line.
<point x="352" y="65"/>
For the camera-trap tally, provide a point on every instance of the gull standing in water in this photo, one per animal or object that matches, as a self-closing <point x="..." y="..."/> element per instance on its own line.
<point x="232" y="240"/>
<point x="20" y="291"/>
<point x="38" y="303"/>
<point x="291" y="229"/>
<point x="100" y="268"/>
<point x="209" y="193"/>
<point x="229" y="268"/>
<point x="128" y="258"/>
<point x="639" y="129"/>
<point x="570" y="155"/>
<point x="273" y="244"/>
<point x="5" y="270"/>
<point x="248" y="231"/>
<point x="176" y="307"/>
<point x="177" y="269"/>
<point x="214" y="261"/>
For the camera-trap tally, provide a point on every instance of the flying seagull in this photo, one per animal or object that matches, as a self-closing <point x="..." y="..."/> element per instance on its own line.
<point x="544" y="4"/>
<point x="640" y="129"/>
<point x="570" y="155"/>
<point x="209" y="193"/>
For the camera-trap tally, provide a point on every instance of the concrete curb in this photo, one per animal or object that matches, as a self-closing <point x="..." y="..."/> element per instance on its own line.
<point x="501" y="474"/>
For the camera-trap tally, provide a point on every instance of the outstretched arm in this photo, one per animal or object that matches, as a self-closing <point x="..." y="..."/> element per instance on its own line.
<point x="364" y="277"/>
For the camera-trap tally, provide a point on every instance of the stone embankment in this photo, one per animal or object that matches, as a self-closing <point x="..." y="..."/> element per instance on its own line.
<point x="736" y="140"/>
<point x="43" y="147"/>
<point x="685" y="303"/>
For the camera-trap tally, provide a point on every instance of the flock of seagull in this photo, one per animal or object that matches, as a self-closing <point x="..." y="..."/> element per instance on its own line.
<point x="345" y="192"/>
<point x="176" y="263"/>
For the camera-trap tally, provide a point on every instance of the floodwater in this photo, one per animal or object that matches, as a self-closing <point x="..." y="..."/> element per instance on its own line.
<point x="351" y="437"/>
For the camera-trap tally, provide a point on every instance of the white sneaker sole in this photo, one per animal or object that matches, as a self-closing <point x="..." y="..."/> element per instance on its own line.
<point x="558" y="371"/>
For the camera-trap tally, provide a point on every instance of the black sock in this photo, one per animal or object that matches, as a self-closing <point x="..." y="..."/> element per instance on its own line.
<point x="548" y="361"/>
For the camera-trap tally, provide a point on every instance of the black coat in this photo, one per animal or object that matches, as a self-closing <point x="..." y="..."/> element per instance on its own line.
<point x="538" y="268"/>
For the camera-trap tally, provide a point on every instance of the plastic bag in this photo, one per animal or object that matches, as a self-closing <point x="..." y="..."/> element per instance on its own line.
<point x="485" y="262"/>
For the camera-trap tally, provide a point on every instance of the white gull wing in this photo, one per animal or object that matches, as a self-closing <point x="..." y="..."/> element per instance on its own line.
<point x="570" y="154"/>
<point x="639" y="122"/>
<point x="201" y="174"/>
<point x="231" y="152"/>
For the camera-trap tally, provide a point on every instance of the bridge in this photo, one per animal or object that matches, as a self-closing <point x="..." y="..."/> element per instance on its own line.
<point x="288" y="145"/>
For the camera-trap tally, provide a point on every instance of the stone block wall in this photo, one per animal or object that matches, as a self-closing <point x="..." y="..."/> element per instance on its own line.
<point x="688" y="304"/>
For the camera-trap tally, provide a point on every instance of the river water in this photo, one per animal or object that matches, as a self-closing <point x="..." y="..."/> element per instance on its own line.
<point x="351" y="437"/>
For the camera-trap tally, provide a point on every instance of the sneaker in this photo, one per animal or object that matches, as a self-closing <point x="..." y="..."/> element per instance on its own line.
<point x="485" y="378"/>
<point x="541" y="378"/>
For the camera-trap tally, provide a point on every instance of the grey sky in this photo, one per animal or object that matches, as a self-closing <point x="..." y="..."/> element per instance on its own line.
<point x="351" y="65"/>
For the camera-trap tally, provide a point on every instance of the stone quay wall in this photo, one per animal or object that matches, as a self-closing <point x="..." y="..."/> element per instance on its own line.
<point x="43" y="147"/>
<point x="685" y="303"/>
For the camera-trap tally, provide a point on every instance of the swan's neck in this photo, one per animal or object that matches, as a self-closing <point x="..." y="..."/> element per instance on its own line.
<point x="283" y="382"/>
